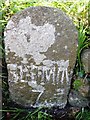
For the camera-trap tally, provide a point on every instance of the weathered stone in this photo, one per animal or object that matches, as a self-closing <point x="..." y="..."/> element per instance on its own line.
<point x="84" y="89"/>
<point x="80" y="97"/>
<point x="77" y="100"/>
<point x="40" y="44"/>
<point x="85" y="56"/>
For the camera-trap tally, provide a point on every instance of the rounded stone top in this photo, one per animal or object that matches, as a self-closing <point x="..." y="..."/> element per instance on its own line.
<point x="42" y="32"/>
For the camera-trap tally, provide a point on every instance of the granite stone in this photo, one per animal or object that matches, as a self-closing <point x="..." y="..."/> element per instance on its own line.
<point x="40" y="46"/>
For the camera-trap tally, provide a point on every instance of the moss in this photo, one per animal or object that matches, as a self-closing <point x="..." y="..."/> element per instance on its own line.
<point x="77" y="84"/>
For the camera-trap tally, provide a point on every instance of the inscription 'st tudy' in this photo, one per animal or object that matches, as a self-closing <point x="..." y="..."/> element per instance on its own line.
<point x="40" y="45"/>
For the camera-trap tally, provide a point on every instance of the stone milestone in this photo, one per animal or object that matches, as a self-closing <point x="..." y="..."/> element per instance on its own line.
<point x="40" y="45"/>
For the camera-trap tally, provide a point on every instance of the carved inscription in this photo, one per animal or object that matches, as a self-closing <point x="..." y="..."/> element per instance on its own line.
<point x="51" y="71"/>
<point x="45" y="73"/>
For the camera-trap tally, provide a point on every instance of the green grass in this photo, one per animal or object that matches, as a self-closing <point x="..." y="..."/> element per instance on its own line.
<point x="78" y="11"/>
<point x="77" y="84"/>
<point x="83" y="115"/>
<point x="23" y="114"/>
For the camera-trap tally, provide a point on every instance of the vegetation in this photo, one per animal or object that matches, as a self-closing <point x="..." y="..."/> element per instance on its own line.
<point x="22" y="114"/>
<point x="78" y="10"/>
<point x="77" y="84"/>
<point x="83" y="115"/>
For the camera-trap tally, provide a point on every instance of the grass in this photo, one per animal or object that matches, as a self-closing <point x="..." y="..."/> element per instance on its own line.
<point x="83" y="115"/>
<point x="22" y="114"/>
<point x="78" y="11"/>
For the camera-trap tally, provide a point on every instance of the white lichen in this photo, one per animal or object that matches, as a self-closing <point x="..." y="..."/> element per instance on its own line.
<point x="41" y="38"/>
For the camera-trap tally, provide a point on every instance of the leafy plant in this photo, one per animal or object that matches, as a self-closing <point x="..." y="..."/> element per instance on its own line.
<point x="77" y="84"/>
<point x="15" y="114"/>
<point x="83" y="115"/>
<point x="83" y="43"/>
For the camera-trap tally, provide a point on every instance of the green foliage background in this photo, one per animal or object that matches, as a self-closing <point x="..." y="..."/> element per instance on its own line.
<point x="77" y="10"/>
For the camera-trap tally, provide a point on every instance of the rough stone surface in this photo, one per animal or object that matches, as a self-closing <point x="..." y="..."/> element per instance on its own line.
<point x="76" y="99"/>
<point x="40" y="44"/>
<point x="86" y="60"/>
<point x="84" y="89"/>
